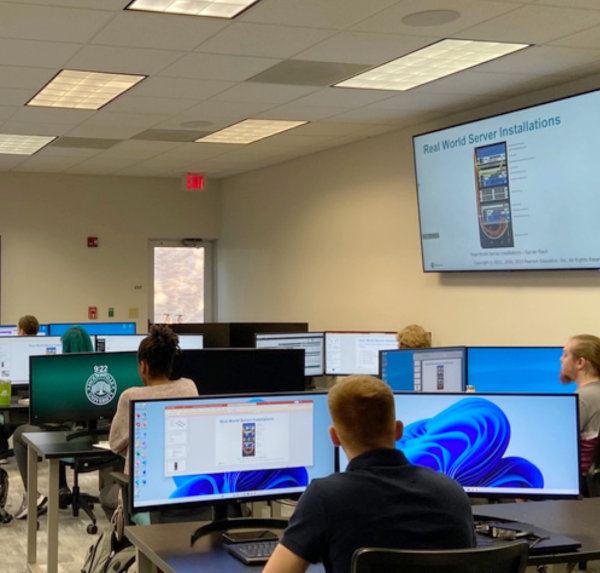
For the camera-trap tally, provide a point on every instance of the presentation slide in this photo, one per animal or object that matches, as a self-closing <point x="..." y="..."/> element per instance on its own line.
<point x="356" y="352"/>
<point x="238" y="437"/>
<point x="512" y="192"/>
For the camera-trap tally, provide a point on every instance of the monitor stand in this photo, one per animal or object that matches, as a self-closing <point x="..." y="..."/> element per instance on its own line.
<point x="223" y="523"/>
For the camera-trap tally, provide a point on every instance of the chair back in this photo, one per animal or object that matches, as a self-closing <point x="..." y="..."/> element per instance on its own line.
<point x="505" y="558"/>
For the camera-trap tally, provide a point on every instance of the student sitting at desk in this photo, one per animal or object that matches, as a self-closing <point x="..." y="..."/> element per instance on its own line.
<point x="580" y="363"/>
<point x="414" y="336"/>
<point x="156" y="355"/>
<point x="28" y="325"/>
<point x="380" y="500"/>
<point x="75" y="339"/>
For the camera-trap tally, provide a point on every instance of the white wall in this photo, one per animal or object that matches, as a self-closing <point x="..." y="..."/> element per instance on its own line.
<point x="332" y="239"/>
<point x="47" y="269"/>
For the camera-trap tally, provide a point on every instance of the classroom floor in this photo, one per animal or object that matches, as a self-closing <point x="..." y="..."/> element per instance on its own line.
<point x="74" y="541"/>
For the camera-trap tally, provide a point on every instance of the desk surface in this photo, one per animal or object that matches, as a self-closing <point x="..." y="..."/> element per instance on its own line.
<point x="168" y="545"/>
<point x="55" y="445"/>
<point x="577" y="518"/>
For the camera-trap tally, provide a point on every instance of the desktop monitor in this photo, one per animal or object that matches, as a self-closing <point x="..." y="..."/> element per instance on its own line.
<point x="424" y="369"/>
<point x="118" y="342"/>
<point x="81" y="387"/>
<point x="16" y="350"/>
<point x="255" y="446"/>
<point x="240" y="370"/>
<point x="131" y="342"/>
<point x="13" y="330"/>
<point x="191" y="341"/>
<point x="311" y="342"/>
<point x="494" y="445"/>
<point x="356" y="352"/>
<point x="58" y="329"/>
<point x="528" y="369"/>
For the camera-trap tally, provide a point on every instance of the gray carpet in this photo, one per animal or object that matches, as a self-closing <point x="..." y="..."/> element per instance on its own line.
<point x="73" y="539"/>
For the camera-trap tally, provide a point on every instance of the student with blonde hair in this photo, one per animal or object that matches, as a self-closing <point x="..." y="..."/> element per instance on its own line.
<point x="414" y="336"/>
<point x="380" y="500"/>
<point x="580" y="363"/>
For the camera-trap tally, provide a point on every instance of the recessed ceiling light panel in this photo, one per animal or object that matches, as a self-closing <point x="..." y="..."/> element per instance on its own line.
<point x="431" y="63"/>
<point x="211" y="8"/>
<point x="76" y="89"/>
<point x="250" y="130"/>
<point x="23" y="144"/>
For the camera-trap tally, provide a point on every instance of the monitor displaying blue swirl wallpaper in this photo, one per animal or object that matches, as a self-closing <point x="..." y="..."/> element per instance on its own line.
<point x="494" y="445"/>
<point x="221" y="448"/>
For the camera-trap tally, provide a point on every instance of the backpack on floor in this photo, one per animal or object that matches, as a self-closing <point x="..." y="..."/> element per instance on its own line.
<point x="5" y="517"/>
<point x="108" y="555"/>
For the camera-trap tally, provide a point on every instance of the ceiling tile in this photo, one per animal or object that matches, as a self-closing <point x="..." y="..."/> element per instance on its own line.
<point x="472" y="12"/>
<point x="306" y="73"/>
<point x="336" y="14"/>
<point x="122" y="60"/>
<point x="263" y="40"/>
<point x="36" y="22"/>
<point x="363" y="48"/>
<point x="14" y="52"/>
<point x="533" y="25"/>
<point x="259" y="92"/>
<point x="158" y="31"/>
<point x="217" y="67"/>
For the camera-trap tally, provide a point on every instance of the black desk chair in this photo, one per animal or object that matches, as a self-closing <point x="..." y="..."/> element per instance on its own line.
<point x="509" y="558"/>
<point x="84" y="501"/>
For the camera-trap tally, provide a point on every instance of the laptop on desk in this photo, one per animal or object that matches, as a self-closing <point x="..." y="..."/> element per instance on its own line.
<point x="490" y="531"/>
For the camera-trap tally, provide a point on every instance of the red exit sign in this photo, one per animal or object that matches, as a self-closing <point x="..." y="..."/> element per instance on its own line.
<point x="194" y="182"/>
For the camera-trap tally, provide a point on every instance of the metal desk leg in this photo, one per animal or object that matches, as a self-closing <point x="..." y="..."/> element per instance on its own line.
<point x="32" y="480"/>
<point x="144" y="564"/>
<point x="52" y="562"/>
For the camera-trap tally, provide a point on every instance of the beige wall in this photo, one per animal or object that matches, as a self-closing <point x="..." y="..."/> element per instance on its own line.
<point x="47" y="269"/>
<point x="332" y="239"/>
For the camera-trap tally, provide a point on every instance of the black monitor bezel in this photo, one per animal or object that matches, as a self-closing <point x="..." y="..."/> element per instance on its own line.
<point x="208" y="503"/>
<point x="501" y="495"/>
<point x="84" y="324"/>
<point x="318" y="334"/>
<point x="80" y="418"/>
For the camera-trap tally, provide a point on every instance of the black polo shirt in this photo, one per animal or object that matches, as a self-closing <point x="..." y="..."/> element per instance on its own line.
<point x="381" y="500"/>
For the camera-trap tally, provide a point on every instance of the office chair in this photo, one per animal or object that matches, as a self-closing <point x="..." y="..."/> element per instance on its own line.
<point x="84" y="501"/>
<point x="508" y="558"/>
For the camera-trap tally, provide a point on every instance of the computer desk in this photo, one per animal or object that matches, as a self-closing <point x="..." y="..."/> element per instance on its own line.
<point x="167" y="546"/>
<point x="51" y="446"/>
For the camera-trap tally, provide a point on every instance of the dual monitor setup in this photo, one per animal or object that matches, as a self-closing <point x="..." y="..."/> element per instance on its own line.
<point x="266" y="446"/>
<point x="486" y="369"/>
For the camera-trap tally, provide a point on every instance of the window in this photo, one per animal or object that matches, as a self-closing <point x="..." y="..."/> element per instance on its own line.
<point x="182" y="281"/>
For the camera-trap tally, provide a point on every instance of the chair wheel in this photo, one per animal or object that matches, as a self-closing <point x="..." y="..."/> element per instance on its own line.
<point x="92" y="529"/>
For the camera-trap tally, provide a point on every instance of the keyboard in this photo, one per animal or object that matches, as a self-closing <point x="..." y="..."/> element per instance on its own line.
<point x="252" y="552"/>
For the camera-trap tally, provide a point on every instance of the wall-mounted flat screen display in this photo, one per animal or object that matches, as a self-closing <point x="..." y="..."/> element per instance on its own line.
<point x="516" y="191"/>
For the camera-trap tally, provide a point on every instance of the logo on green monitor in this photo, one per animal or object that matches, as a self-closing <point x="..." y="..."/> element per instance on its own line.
<point x="101" y="387"/>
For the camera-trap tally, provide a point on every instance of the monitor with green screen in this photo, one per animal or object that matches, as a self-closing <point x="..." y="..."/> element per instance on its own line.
<point x="79" y="387"/>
